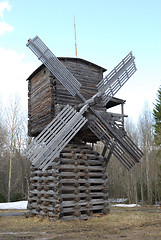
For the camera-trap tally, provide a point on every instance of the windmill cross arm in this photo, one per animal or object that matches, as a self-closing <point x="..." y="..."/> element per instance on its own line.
<point x="90" y="102"/>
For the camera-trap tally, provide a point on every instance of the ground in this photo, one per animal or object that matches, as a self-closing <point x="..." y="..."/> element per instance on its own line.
<point x="130" y="224"/>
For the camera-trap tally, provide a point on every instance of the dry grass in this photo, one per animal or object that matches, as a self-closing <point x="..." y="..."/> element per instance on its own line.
<point x="117" y="225"/>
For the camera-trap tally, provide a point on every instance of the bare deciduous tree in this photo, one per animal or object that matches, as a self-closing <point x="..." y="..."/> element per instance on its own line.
<point x="15" y="126"/>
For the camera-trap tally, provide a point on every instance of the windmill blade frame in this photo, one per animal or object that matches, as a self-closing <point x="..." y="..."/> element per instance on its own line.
<point x="125" y="149"/>
<point x="45" y="55"/>
<point x="119" y="152"/>
<point x="47" y="146"/>
<point x="111" y="84"/>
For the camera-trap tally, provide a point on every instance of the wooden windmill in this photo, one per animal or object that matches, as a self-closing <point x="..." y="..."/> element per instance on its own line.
<point x="68" y="178"/>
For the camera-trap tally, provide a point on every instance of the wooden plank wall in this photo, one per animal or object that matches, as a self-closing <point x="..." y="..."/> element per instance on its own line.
<point x="46" y="96"/>
<point x="75" y="187"/>
<point x="40" y="101"/>
<point x="87" y="75"/>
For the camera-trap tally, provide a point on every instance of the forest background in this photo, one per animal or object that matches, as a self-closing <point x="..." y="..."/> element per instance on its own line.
<point x="105" y="32"/>
<point x="142" y="184"/>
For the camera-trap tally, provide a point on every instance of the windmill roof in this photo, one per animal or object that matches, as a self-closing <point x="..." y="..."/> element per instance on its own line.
<point x="67" y="58"/>
<point x="114" y="102"/>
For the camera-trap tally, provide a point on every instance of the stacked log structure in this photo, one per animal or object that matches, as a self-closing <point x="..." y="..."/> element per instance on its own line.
<point x="46" y="95"/>
<point x="74" y="187"/>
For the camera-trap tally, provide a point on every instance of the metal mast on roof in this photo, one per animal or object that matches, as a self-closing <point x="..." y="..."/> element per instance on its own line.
<point x="75" y="38"/>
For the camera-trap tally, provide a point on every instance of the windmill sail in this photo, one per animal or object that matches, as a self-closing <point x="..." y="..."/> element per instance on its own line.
<point x="109" y="133"/>
<point x="50" y="142"/>
<point x="110" y="85"/>
<point x="54" y="65"/>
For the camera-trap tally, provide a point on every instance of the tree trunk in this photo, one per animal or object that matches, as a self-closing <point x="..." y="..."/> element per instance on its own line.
<point x="10" y="169"/>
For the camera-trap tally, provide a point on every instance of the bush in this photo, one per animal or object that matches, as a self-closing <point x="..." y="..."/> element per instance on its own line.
<point x="2" y="198"/>
<point x="18" y="196"/>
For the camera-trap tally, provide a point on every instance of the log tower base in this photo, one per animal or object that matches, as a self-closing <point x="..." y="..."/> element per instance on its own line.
<point x="75" y="187"/>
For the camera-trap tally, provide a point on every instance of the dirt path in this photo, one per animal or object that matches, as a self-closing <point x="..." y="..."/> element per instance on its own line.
<point x="12" y="213"/>
<point x="120" y="224"/>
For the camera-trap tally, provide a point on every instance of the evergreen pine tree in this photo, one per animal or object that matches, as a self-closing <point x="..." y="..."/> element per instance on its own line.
<point x="157" y="118"/>
<point x="157" y="137"/>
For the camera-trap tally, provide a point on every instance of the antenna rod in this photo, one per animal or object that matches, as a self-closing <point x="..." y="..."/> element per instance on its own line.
<point x="75" y="38"/>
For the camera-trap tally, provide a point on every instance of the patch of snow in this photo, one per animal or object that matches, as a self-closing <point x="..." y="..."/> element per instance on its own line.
<point x="23" y="205"/>
<point x="126" y="205"/>
<point x="14" y="205"/>
<point x="117" y="200"/>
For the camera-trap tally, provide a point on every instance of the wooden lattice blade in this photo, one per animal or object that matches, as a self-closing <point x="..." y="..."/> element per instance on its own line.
<point x="110" y="85"/>
<point x="48" y="144"/>
<point x="54" y="65"/>
<point x="123" y="147"/>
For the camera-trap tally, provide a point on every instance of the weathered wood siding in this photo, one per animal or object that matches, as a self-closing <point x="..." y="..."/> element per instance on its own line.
<point x="87" y="74"/>
<point x="40" y="102"/>
<point x="47" y="95"/>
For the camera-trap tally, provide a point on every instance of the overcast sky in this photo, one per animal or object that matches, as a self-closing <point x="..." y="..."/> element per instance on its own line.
<point x="107" y="30"/>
